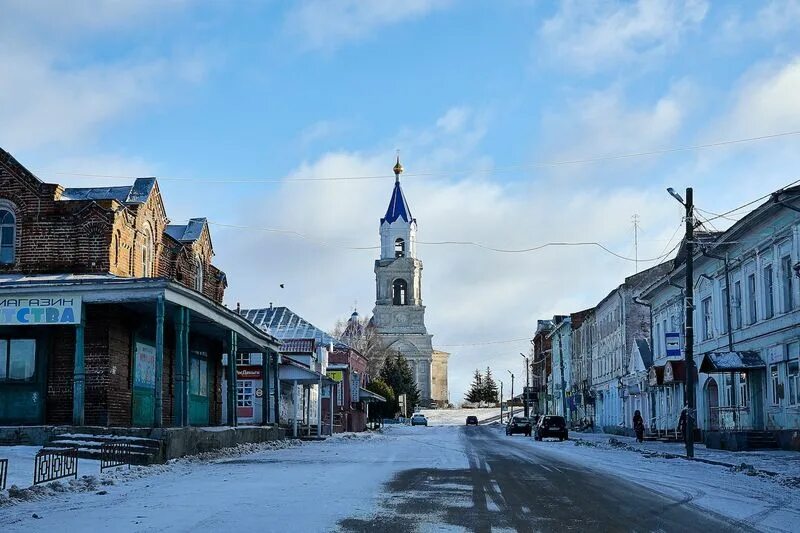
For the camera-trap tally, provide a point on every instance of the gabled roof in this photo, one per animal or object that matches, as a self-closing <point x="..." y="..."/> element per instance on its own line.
<point x="126" y="194"/>
<point x="644" y="351"/>
<point x="187" y="232"/>
<point x="283" y="323"/>
<point x="398" y="207"/>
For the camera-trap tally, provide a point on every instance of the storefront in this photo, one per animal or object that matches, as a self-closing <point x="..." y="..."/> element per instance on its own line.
<point x="108" y="351"/>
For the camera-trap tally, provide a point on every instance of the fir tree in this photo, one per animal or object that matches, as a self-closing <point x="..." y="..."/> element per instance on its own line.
<point x="385" y="409"/>
<point x="489" y="387"/>
<point x="476" y="391"/>
<point x="396" y="372"/>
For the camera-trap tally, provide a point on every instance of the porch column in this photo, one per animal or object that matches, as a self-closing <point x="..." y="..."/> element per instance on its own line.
<point x="294" y="408"/>
<point x="79" y="372"/>
<point x="264" y="388"/>
<point x="180" y="369"/>
<point x="232" y="351"/>
<point x="158" y="399"/>
<point x="185" y="356"/>
<point x="276" y="385"/>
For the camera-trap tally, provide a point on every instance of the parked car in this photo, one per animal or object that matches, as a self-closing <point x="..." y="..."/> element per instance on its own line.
<point x="551" y="426"/>
<point x="419" y="420"/>
<point x="472" y="420"/>
<point x="519" y="424"/>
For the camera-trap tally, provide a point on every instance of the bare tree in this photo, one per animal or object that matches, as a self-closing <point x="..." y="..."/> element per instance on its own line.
<point x="362" y="336"/>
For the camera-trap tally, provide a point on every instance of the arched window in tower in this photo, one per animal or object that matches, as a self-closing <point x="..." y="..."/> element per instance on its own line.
<point x="198" y="275"/>
<point x="147" y="253"/>
<point x="400" y="292"/>
<point x="399" y="248"/>
<point x="8" y="234"/>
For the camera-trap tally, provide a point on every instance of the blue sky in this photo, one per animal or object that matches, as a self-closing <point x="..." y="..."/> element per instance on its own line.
<point x="271" y="90"/>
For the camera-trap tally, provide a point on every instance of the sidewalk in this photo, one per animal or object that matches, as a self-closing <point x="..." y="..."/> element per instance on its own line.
<point x="780" y="462"/>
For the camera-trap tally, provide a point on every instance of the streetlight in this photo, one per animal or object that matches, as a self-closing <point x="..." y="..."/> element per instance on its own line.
<point x="689" y="305"/>
<point x="512" y="395"/>
<point x="527" y="383"/>
<point x="501" y="400"/>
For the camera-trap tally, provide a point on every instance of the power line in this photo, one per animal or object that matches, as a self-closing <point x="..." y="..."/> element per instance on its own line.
<point x="497" y="170"/>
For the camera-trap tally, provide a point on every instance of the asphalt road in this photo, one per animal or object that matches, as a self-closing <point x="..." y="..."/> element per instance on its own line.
<point x="512" y="486"/>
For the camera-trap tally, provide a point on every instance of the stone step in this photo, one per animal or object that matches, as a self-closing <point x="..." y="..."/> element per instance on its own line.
<point x="96" y="445"/>
<point x="107" y="438"/>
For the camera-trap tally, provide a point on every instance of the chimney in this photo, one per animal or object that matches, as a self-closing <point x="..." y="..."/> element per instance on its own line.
<point x="238" y="308"/>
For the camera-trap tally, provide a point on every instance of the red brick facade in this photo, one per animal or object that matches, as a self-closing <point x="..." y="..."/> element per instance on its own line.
<point x="60" y="231"/>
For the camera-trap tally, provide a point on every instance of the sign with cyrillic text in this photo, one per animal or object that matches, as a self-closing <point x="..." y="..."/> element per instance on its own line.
<point x="40" y="310"/>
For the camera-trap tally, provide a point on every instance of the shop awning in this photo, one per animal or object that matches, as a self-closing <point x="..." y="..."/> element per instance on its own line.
<point x="731" y="362"/>
<point x="369" y="396"/>
<point x="292" y="372"/>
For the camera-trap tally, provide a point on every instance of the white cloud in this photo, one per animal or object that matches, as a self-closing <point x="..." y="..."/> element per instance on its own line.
<point x="592" y="36"/>
<point x="471" y="294"/>
<point x="773" y="19"/>
<point x="326" y="24"/>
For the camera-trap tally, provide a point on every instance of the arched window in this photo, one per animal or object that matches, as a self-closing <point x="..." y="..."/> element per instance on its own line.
<point x="399" y="248"/>
<point x="198" y="275"/>
<point x="116" y="247"/>
<point x="400" y="292"/>
<point x="8" y="232"/>
<point x="147" y="253"/>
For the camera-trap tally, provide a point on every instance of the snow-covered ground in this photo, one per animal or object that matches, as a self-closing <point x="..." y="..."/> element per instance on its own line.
<point x="313" y="486"/>
<point x="457" y="417"/>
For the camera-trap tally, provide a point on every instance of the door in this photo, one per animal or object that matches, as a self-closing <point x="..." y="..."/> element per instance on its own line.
<point x="22" y="380"/>
<point x="245" y="392"/>
<point x="198" y="388"/>
<point x="144" y="384"/>
<point x="757" y="380"/>
<point x="712" y="404"/>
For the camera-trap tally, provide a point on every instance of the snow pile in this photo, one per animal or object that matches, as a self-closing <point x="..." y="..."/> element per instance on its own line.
<point x="458" y="417"/>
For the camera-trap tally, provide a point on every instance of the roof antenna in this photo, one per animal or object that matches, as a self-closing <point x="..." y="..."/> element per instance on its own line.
<point x="398" y="168"/>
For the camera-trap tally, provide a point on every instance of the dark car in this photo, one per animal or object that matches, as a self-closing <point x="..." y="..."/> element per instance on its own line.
<point x="519" y="424"/>
<point x="472" y="420"/>
<point x="551" y="426"/>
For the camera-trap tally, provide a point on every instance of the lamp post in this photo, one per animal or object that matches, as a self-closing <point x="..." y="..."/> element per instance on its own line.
<point x="501" y="400"/>
<point x="527" y="383"/>
<point x="511" y="415"/>
<point x="689" y="324"/>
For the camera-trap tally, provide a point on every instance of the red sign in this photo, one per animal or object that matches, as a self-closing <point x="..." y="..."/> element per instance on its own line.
<point x="249" y="372"/>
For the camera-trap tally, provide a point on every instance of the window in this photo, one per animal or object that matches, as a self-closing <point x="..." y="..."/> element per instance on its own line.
<point x="737" y="305"/>
<point x="657" y="342"/>
<point x="794" y="382"/>
<point x="198" y="377"/>
<point x="775" y="382"/>
<point x="242" y="359"/>
<point x="198" y="275"/>
<point x="147" y="253"/>
<point x="744" y="390"/>
<point x="8" y="232"/>
<point x="769" y="300"/>
<point x="708" y="317"/>
<point x="787" y="273"/>
<point x="400" y="292"/>
<point x="17" y="359"/>
<point x="725" y="304"/>
<point x="728" y="384"/>
<point x="751" y="299"/>
<point x="244" y="393"/>
<point x="399" y="248"/>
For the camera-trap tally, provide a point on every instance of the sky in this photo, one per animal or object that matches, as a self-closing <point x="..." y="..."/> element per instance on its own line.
<point x="510" y="118"/>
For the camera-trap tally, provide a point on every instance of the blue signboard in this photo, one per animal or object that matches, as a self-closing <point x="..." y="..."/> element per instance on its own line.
<point x="673" y="343"/>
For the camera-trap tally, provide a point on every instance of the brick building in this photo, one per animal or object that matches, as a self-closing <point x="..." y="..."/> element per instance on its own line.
<point x="109" y="314"/>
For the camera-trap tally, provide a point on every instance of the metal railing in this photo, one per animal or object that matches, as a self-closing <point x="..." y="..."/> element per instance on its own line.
<point x="55" y="464"/>
<point x="115" y="454"/>
<point x="3" y="473"/>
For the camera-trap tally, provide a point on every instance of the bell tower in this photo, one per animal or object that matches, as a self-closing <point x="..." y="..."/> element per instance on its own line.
<point x="399" y="316"/>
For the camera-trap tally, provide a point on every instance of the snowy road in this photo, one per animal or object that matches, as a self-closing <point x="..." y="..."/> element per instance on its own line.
<point x="452" y="478"/>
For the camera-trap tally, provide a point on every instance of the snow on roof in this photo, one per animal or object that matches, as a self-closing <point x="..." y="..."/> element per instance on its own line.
<point x="282" y="323"/>
<point x="730" y="361"/>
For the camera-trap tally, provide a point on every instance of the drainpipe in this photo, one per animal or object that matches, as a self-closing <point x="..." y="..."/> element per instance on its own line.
<point x="732" y="377"/>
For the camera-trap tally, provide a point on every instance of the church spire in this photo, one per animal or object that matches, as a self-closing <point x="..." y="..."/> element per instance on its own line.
<point x="398" y="207"/>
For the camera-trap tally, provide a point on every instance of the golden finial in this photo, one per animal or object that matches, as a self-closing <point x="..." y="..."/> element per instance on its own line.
<point x="398" y="168"/>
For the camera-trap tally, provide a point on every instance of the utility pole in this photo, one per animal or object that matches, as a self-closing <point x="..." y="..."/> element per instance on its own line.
<point x="501" y="401"/>
<point x="527" y="384"/>
<point x="563" y="381"/>
<point x="511" y="415"/>
<point x="689" y="319"/>
<point x="635" y="219"/>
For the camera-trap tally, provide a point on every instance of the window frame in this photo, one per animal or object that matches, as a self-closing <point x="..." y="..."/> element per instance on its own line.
<point x="737" y="304"/>
<point x="752" y="302"/>
<point x="725" y="299"/>
<point x="708" y="318"/>
<point x="768" y="282"/>
<point x="6" y="207"/>
<point x="793" y="381"/>
<point x="775" y="381"/>
<point x="787" y="284"/>
<point x="400" y="292"/>
<point x="7" y="343"/>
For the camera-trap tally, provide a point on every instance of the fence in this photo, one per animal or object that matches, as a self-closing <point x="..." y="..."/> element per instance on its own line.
<point x="3" y="473"/>
<point x="55" y="464"/>
<point x="115" y="454"/>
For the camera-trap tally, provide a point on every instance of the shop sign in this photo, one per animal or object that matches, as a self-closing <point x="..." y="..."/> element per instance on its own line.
<point x="355" y="387"/>
<point x="249" y="372"/>
<point x="672" y="342"/>
<point x="776" y="354"/>
<point x="145" y="366"/>
<point x="259" y="392"/>
<point x="336" y="375"/>
<point x="40" y="310"/>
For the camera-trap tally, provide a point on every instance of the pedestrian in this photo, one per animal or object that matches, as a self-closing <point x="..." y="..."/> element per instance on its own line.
<point x="638" y="426"/>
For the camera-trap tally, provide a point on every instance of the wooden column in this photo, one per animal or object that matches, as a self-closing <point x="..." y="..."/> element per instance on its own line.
<point x="232" y="350"/>
<point x="79" y="373"/>
<point x="265" y="387"/>
<point x="277" y="386"/>
<point x="158" y="403"/>
<point x="180" y="369"/>
<point x="187" y="324"/>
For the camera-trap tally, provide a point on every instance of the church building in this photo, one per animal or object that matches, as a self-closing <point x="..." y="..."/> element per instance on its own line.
<point x="399" y="315"/>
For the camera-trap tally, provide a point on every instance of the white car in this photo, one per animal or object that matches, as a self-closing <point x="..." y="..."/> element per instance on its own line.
<point x="419" y="420"/>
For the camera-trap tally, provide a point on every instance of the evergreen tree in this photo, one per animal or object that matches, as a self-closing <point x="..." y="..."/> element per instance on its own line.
<point x="489" y="387"/>
<point x="385" y="409"/>
<point x="396" y="372"/>
<point x="476" y="391"/>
